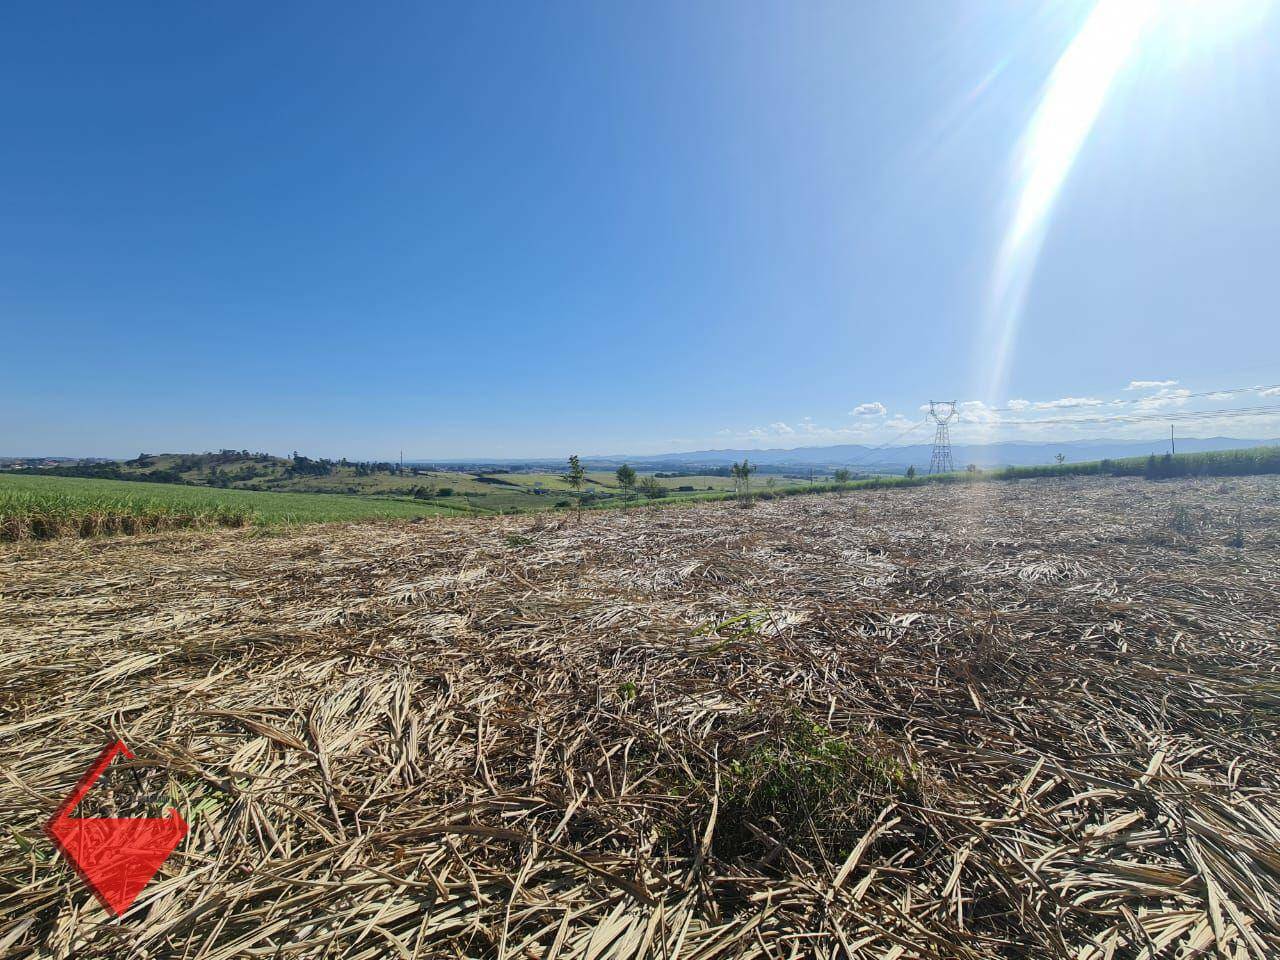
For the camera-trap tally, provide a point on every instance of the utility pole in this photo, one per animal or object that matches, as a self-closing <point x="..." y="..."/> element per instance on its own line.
<point x="1173" y="447"/>
<point x="942" y="411"/>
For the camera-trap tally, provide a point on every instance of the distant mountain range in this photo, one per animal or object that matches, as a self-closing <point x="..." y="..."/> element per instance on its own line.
<point x="858" y="457"/>
<point x="1013" y="453"/>
<point x="872" y="459"/>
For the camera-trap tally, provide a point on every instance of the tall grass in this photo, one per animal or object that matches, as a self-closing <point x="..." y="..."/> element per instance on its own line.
<point x="1213" y="463"/>
<point x="26" y="515"/>
<point x="41" y="507"/>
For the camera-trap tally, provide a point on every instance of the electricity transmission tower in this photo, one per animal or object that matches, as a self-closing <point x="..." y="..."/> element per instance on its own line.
<point x="943" y="412"/>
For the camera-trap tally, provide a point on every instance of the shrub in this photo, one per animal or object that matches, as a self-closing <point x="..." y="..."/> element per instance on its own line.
<point x="652" y="489"/>
<point x="806" y="789"/>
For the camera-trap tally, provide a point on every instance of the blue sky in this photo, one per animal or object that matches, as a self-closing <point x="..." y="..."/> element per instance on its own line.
<point x="531" y="229"/>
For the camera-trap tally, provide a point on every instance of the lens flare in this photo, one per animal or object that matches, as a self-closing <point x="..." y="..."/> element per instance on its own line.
<point x="1169" y="32"/>
<point x="1073" y="98"/>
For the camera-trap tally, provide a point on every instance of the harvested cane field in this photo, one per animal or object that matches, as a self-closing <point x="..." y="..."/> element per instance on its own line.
<point x="900" y="723"/>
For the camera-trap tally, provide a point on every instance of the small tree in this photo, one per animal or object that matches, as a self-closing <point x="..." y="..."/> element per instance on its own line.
<point x="1060" y="458"/>
<point x="841" y="476"/>
<point x="911" y="472"/>
<point x="626" y="475"/>
<point x="576" y="477"/>
<point x="742" y="478"/>
<point x="652" y="489"/>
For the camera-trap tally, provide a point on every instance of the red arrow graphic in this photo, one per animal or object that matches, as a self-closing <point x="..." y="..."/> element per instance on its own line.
<point x="115" y="856"/>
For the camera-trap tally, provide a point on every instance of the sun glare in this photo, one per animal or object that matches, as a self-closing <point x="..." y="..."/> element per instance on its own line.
<point x="1073" y="98"/>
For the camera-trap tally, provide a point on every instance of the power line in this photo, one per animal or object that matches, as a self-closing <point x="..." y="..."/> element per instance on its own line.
<point x="1225" y="413"/>
<point x="942" y="412"/>
<point x="888" y="443"/>
<point x="1135" y="400"/>
<point x="1167" y="416"/>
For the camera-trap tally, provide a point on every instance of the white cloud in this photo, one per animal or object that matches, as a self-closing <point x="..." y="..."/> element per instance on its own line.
<point x="1164" y="398"/>
<point x="808" y="432"/>
<point x="873" y="409"/>
<point x="974" y="411"/>
<point x="873" y="423"/>
<point x="1067" y="402"/>
<point x="778" y="431"/>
